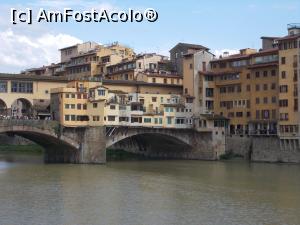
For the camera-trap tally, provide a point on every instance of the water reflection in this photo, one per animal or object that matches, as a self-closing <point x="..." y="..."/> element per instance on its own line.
<point x="150" y="192"/>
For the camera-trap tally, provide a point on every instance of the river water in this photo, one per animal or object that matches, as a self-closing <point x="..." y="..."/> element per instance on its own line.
<point x="148" y="193"/>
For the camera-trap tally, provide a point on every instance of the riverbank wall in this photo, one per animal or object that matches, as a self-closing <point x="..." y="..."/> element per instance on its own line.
<point x="264" y="148"/>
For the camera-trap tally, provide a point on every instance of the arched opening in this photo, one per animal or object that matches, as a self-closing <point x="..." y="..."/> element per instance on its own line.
<point x="55" y="150"/>
<point x="3" y="108"/>
<point x="21" y="107"/>
<point x="153" y="145"/>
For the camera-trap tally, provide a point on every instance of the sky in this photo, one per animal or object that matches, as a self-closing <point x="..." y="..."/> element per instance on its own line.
<point x="219" y="25"/>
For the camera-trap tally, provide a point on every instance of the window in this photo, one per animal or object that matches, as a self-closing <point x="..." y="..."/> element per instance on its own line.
<point x="265" y="87"/>
<point x="147" y="120"/>
<point x="96" y="118"/>
<point x="113" y="107"/>
<point x="273" y="72"/>
<point x="257" y="87"/>
<point x="209" y="92"/>
<point x="283" y="88"/>
<point x="67" y="106"/>
<point x="265" y="100"/>
<point x="257" y="100"/>
<point x="153" y="80"/>
<point x="3" y="86"/>
<point x="101" y="92"/>
<point x="273" y="86"/>
<point x="265" y="73"/>
<point x="78" y="96"/>
<point x="84" y="106"/>
<point x="160" y="120"/>
<point x="248" y="87"/>
<point x="257" y="114"/>
<point x="284" y="116"/>
<point x="67" y="117"/>
<point x="165" y="81"/>
<point x="111" y="118"/>
<point x="248" y="76"/>
<point x="95" y="105"/>
<point x="72" y="95"/>
<point x="154" y="99"/>
<point x="73" y="117"/>
<point x="79" y="106"/>
<point x="274" y="99"/>
<point x="283" y="74"/>
<point x="265" y="114"/>
<point x="283" y="103"/>
<point x="273" y="114"/>
<point x="239" y="114"/>
<point x="169" y="120"/>
<point x="282" y="60"/>
<point x="257" y="74"/>
<point x="67" y="96"/>
<point x="21" y="87"/>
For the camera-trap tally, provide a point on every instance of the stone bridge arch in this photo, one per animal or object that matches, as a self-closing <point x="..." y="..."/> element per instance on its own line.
<point x="163" y="143"/>
<point x="61" y="144"/>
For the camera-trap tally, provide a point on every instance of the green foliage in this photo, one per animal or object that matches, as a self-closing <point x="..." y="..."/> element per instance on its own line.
<point x="30" y="149"/>
<point x="230" y="155"/>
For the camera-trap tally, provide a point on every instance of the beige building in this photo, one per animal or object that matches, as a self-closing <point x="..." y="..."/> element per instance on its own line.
<point x="128" y="69"/>
<point x="93" y="103"/>
<point x="27" y="95"/>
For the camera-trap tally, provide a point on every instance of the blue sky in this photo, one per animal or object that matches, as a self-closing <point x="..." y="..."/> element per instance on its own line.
<point x="218" y="25"/>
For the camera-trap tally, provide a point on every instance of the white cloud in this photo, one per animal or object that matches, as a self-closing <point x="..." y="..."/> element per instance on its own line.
<point x="76" y="4"/>
<point x="19" y="51"/>
<point x="221" y="52"/>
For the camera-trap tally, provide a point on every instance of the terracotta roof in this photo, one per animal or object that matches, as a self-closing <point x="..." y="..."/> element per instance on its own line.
<point x="232" y="57"/>
<point x="191" y="46"/>
<point x="289" y="37"/>
<point x="162" y="75"/>
<point x="259" y="65"/>
<point x="265" y="52"/>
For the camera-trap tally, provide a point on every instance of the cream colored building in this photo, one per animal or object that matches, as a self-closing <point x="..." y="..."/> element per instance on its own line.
<point x="90" y="103"/>
<point x="27" y="95"/>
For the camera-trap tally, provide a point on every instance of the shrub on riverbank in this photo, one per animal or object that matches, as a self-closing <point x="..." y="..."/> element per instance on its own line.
<point x="230" y="155"/>
<point x="27" y="149"/>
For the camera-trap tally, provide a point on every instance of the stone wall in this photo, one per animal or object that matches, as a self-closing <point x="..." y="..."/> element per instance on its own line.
<point x="264" y="149"/>
<point x="239" y="145"/>
<point x="272" y="149"/>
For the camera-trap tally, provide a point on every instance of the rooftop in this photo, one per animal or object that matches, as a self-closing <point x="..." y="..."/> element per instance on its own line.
<point x="191" y="46"/>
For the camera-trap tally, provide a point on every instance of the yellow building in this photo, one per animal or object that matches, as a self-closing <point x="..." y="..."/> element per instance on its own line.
<point x="289" y="60"/>
<point x="22" y="95"/>
<point x="90" y="103"/>
<point x="243" y="88"/>
<point x="96" y="61"/>
<point x="128" y="69"/>
<point x="79" y="104"/>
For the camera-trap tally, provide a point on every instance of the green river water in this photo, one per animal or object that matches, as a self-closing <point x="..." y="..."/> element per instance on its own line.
<point x="147" y="193"/>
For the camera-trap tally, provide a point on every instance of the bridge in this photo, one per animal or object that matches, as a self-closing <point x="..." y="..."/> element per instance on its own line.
<point x="89" y="144"/>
